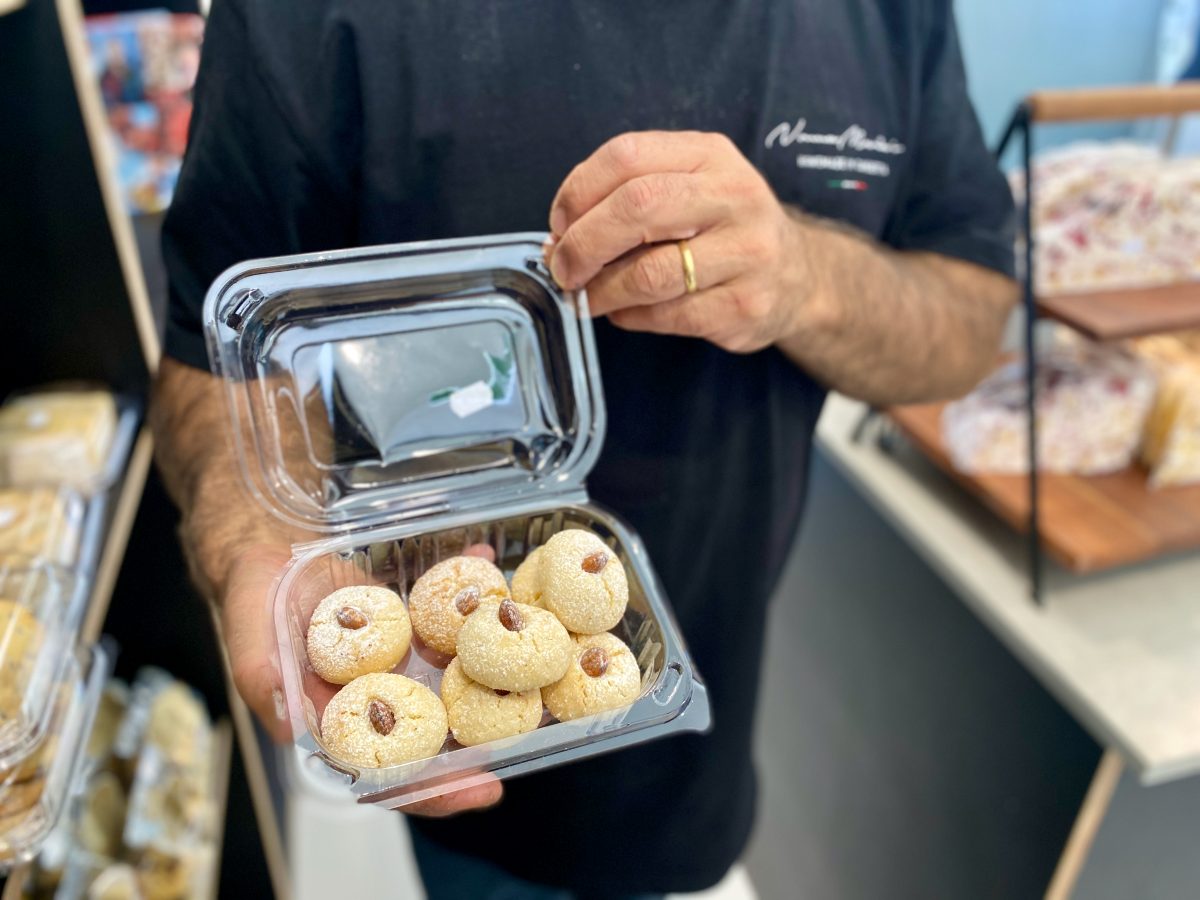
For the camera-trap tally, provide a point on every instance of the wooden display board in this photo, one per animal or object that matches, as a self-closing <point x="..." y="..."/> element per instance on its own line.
<point x="1133" y="312"/>
<point x="1087" y="523"/>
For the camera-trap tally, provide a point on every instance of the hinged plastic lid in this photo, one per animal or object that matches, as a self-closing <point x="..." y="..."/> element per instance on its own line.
<point x="384" y="383"/>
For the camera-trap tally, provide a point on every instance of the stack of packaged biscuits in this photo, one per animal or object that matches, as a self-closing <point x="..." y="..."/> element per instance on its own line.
<point x="143" y="823"/>
<point x="61" y="452"/>
<point x="36" y="781"/>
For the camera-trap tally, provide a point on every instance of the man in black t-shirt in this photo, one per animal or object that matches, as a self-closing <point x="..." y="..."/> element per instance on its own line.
<point x="845" y="228"/>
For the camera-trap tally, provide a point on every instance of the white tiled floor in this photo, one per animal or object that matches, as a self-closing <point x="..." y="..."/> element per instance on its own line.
<point x="337" y="851"/>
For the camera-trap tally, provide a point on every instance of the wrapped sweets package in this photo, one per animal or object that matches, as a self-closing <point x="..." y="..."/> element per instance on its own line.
<point x="1171" y="443"/>
<point x="56" y="437"/>
<point x="1113" y="215"/>
<point x="1092" y="402"/>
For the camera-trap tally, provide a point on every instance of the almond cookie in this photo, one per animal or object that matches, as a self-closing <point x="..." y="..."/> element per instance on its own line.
<point x="602" y="675"/>
<point x="444" y="596"/>
<point x="513" y="647"/>
<point x="481" y="714"/>
<point x="454" y="682"/>
<point x="357" y="630"/>
<point x="583" y="582"/>
<point x="382" y="719"/>
<point x="20" y="641"/>
<point x="527" y="580"/>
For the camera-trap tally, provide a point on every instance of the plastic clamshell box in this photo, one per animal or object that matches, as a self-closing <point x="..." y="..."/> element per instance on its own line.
<point x="23" y="831"/>
<point x="39" y="617"/>
<point x="393" y="405"/>
<point x="71" y="433"/>
<point x="89" y="495"/>
<point x="43" y="523"/>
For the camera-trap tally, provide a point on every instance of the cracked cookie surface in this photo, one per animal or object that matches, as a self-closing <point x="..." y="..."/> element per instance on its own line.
<point x="513" y="647"/>
<point x="382" y="719"/>
<point x="602" y="675"/>
<point x="447" y="593"/>
<point x="583" y="582"/>
<point x="478" y="713"/>
<point x="358" y="630"/>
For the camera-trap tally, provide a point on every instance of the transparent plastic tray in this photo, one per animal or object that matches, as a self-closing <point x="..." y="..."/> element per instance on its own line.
<point x="39" y="618"/>
<point x="397" y="402"/>
<point x="42" y="523"/>
<point x="48" y="438"/>
<point x="673" y="698"/>
<point x="37" y="801"/>
<point x="89" y="499"/>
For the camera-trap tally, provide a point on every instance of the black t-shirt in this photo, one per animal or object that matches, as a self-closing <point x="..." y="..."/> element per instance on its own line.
<point x="351" y="122"/>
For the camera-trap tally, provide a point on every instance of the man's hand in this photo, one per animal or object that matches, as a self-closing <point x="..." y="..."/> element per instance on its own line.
<point x="617" y="218"/>
<point x="882" y="325"/>
<point x="236" y="553"/>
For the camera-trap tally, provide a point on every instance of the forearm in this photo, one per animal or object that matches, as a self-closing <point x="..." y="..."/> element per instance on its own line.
<point x="220" y="519"/>
<point x="894" y="327"/>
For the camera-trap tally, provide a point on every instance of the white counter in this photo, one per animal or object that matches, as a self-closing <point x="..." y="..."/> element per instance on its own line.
<point x="1120" y="650"/>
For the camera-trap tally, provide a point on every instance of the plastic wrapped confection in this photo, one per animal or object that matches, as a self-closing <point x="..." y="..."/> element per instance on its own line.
<point x="56" y="437"/>
<point x="38" y="615"/>
<point x="1171" y="443"/>
<point x="35" y="792"/>
<point x="145" y="823"/>
<point x="40" y="523"/>
<point x="171" y="798"/>
<point x="1114" y="215"/>
<point x="1091" y="404"/>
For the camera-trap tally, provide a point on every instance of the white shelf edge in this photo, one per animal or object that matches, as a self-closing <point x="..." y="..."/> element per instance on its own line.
<point x="222" y="754"/>
<point x="7" y="6"/>
<point x="269" y="831"/>
<point x="118" y="535"/>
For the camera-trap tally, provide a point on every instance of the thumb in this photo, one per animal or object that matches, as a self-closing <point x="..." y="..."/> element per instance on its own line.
<point x="247" y="624"/>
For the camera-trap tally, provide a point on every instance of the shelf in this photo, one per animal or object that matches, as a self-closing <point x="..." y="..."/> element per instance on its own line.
<point x="269" y="818"/>
<point x="1135" y="101"/>
<point x="1134" y="312"/>
<point x="1117" y="649"/>
<point x="1087" y="524"/>
<point x="129" y="497"/>
<point x="15" y="888"/>
<point x="7" y="6"/>
<point x="222" y="756"/>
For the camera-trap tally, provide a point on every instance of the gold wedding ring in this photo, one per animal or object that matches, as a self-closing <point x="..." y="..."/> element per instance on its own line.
<point x="689" y="267"/>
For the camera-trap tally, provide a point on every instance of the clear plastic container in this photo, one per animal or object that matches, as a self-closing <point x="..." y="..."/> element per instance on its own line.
<point x="73" y="439"/>
<point x="41" y="523"/>
<point x="73" y="433"/>
<point x="391" y="405"/>
<point x="39" y="615"/>
<point x="34" y="793"/>
<point x="56" y="436"/>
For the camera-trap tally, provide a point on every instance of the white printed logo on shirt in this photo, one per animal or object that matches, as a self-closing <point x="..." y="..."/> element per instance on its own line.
<point x="854" y="139"/>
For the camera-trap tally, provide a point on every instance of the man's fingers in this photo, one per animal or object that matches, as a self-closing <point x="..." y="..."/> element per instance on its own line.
<point x="710" y="315"/>
<point x="623" y="158"/>
<point x="479" y="796"/>
<point x="646" y="210"/>
<point x="655" y="274"/>
<point x="248" y="630"/>
<point x="484" y="551"/>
